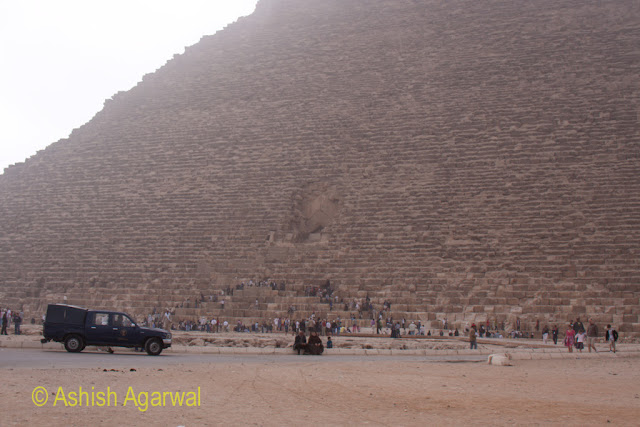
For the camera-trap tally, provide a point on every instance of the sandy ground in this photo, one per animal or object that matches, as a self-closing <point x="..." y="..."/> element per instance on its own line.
<point x="593" y="391"/>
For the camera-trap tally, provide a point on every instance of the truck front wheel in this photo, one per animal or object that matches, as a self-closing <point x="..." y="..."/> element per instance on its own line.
<point x="73" y="344"/>
<point x="153" y="347"/>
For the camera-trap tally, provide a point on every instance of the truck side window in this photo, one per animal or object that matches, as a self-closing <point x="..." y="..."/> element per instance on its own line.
<point x="121" y="320"/>
<point x="101" y="319"/>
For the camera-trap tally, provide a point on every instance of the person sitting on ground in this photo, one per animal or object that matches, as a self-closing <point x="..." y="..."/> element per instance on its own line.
<point x="300" y="342"/>
<point x="329" y="343"/>
<point x="314" y="346"/>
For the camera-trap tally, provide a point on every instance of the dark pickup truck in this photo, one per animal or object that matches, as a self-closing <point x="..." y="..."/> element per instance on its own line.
<point x="78" y="327"/>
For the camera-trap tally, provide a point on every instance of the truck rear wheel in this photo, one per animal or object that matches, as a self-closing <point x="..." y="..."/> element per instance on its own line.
<point x="74" y="344"/>
<point x="153" y="347"/>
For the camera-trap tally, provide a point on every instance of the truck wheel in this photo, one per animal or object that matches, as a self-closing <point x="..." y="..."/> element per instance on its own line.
<point x="73" y="344"/>
<point x="153" y="347"/>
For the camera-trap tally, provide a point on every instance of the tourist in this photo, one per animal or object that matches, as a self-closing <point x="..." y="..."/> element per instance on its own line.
<point x="612" y="336"/>
<point x="4" y="323"/>
<point x="554" y="334"/>
<point x="17" y="321"/>
<point x="592" y="334"/>
<point x="412" y="328"/>
<point x="473" y="343"/>
<point x="329" y="343"/>
<point x="580" y="339"/>
<point x="314" y="346"/>
<point x="166" y="320"/>
<point x="578" y="326"/>
<point x="569" y="338"/>
<point x="300" y="343"/>
<point x="545" y="334"/>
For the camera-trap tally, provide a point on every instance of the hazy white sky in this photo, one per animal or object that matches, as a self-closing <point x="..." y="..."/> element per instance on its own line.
<point x="60" y="59"/>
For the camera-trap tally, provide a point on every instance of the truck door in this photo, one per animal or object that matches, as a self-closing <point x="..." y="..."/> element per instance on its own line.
<point x="124" y="329"/>
<point x="98" y="329"/>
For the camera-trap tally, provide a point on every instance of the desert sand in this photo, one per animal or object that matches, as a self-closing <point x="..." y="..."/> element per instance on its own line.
<point x="318" y="389"/>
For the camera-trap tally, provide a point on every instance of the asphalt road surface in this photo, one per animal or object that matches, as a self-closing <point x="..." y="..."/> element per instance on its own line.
<point x="126" y="358"/>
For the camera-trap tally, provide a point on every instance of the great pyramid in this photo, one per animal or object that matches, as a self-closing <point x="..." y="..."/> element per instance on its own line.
<point x="460" y="159"/>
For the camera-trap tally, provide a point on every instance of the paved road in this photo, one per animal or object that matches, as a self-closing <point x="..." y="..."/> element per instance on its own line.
<point x="47" y="359"/>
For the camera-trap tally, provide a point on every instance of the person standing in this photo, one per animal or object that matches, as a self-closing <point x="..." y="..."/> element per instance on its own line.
<point x="473" y="343"/>
<point x="592" y="334"/>
<point x="580" y="339"/>
<point x="612" y="337"/>
<point x="412" y="328"/>
<point x="17" y="321"/>
<point x="4" y="323"/>
<point x="545" y="334"/>
<point x="570" y="338"/>
<point x="554" y="334"/>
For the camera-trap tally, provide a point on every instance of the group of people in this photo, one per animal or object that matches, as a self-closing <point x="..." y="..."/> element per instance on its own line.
<point x="311" y="346"/>
<point x="576" y="335"/>
<point x="7" y="317"/>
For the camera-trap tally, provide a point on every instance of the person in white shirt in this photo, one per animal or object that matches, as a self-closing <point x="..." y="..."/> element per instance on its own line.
<point x="580" y="339"/>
